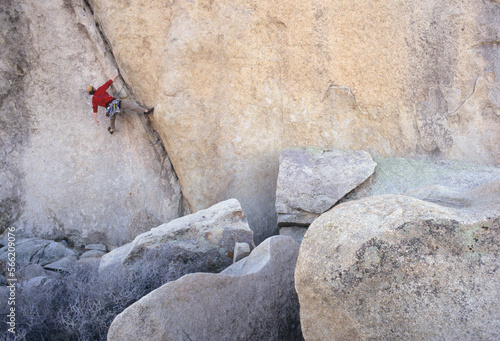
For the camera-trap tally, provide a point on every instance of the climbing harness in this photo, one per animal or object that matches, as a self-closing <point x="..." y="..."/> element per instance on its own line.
<point x="113" y="108"/>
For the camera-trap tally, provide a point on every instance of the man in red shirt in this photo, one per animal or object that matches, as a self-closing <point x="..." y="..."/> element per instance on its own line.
<point x="101" y="98"/>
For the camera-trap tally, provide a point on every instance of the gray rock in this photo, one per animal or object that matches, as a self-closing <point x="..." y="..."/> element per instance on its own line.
<point x="206" y="238"/>
<point x="311" y="181"/>
<point x="34" y="282"/>
<point x="38" y="251"/>
<point x="65" y="264"/>
<point x="99" y="247"/>
<point x="31" y="271"/>
<point x="241" y="250"/>
<point x="297" y="233"/>
<point x="254" y="299"/>
<point x="395" y="267"/>
<point x="92" y="254"/>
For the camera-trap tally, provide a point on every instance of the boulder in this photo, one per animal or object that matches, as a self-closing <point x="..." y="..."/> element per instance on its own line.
<point x="254" y="299"/>
<point x="38" y="251"/>
<point x="92" y="254"/>
<point x="205" y="240"/>
<point x="396" y="267"/>
<point x="311" y="181"/>
<point x="31" y="271"/>
<point x="65" y="264"/>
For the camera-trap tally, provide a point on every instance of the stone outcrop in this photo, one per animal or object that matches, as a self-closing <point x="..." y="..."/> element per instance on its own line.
<point x="395" y="267"/>
<point x="311" y="181"/>
<point x="254" y="299"/>
<point x="205" y="239"/>
<point x="62" y="175"/>
<point x="234" y="85"/>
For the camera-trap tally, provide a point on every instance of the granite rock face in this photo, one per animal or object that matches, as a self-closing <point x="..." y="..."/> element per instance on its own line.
<point x="235" y="84"/>
<point x="205" y="239"/>
<point x="311" y="181"/>
<point x="254" y="299"/>
<point x="61" y="175"/>
<point x="395" y="267"/>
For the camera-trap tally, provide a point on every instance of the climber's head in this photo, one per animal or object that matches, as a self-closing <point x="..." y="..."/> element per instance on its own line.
<point x="90" y="89"/>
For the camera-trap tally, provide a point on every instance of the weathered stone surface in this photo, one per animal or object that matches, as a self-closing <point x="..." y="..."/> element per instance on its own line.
<point x="62" y="175"/>
<point x="38" y="251"/>
<point x="30" y="271"/>
<point x="241" y="250"/>
<point x="64" y="265"/>
<point x="311" y="181"/>
<point x="254" y="299"/>
<point x="395" y="267"/>
<point x="410" y="175"/>
<point x="205" y="238"/>
<point x="99" y="247"/>
<point x="297" y="233"/>
<point x="233" y="85"/>
<point x="92" y="254"/>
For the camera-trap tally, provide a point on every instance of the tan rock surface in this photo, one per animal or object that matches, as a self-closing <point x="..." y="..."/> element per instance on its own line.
<point x="236" y="82"/>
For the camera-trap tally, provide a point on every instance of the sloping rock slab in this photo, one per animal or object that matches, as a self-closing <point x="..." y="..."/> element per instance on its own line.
<point x="408" y="175"/>
<point x="38" y="251"/>
<point x="397" y="268"/>
<point x="205" y="239"/>
<point x="254" y="299"/>
<point x="311" y="181"/>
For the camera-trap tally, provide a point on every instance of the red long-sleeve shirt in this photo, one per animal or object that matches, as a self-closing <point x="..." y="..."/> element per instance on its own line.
<point x="101" y="96"/>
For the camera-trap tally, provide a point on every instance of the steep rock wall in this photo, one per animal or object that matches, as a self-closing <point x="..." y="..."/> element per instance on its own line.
<point x="61" y="175"/>
<point x="235" y="82"/>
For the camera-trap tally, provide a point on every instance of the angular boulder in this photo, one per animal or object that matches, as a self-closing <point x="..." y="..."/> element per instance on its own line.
<point x="205" y="240"/>
<point x="399" y="268"/>
<point x="254" y="299"/>
<point x="37" y="251"/>
<point x="311" y="181"/>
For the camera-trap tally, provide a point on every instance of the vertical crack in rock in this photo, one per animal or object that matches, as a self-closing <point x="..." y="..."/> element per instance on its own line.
<point x="152" y="135"/>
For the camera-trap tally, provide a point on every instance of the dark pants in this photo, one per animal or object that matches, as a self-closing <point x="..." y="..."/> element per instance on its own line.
<point x="126" y="104"/>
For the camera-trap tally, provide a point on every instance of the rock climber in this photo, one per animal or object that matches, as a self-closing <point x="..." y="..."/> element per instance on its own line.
<point x="113" y="105"/>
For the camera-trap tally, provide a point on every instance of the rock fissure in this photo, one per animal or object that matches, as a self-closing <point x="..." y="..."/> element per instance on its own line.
<point x="153" y="136"/>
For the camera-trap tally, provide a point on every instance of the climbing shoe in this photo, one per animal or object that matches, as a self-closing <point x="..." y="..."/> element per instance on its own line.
<point x="110" y="131"/>
<point x="149" y="111"/>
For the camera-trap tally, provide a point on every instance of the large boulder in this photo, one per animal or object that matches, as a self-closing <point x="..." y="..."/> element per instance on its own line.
<point x="235" y="84"/>
<point x="205" y="240"/>
<point x="61" y="175"/>
<point x="254" y="299"/>
<point x="311" y="181"/>
<point x="395" y="267"/>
